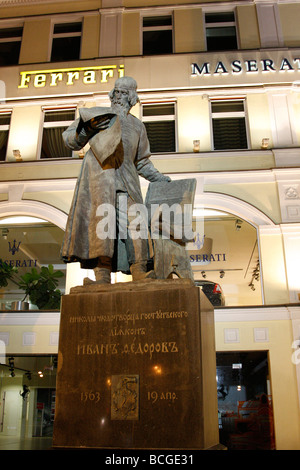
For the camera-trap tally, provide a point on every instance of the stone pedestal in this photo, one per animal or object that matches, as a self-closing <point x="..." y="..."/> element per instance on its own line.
<point x="137" y="368"/>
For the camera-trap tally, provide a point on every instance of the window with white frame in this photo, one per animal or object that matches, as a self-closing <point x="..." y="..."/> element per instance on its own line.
<point x="10" y="45"/>
<point x="220" y="29"/>
<point x="56" y="121"/>
<point x="159" y="120"/>
<point x="4" y="131"/>
<point x="157" y="35"/>
<point x="66" y="41"/>
<point x="229" y="124"/>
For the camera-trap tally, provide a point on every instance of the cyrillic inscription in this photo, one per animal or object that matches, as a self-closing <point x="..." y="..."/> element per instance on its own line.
<point x="168" y="396"/>
<point x="128" y="348"/>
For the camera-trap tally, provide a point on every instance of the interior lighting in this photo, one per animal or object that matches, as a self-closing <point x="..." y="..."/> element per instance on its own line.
<point x="197" y="212"/>
<point x="239" y="388"/>
<point x="237" y="365"/>
<point x="21" y="220"/>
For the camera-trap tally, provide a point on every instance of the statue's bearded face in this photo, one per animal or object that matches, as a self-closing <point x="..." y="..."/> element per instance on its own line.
<point x="120" y="100"/>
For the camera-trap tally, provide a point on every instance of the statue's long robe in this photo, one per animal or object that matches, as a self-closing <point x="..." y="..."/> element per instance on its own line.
<point x="97" y="184"/>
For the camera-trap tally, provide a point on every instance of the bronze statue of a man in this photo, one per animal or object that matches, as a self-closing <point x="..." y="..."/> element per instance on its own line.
<point x="119" y="152"/>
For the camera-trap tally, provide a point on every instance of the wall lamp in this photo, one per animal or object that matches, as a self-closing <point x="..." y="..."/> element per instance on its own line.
<point x="17" y="155"/>
<point x="265" y="143"/>
<point x="196" y="145"/>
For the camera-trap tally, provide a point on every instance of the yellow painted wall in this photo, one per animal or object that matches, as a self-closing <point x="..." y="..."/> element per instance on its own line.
<point x="282" y="373"/>
<point x="90" y="37"/>
<point x="131" y="33"/>
<point x="24" y="132"/>
<point x="263" y="196"/>
<point x="189" y="31"/>
<point x="258" y="119"/>
<point x="35" y="41"/>
<point x="273" y="267"/>
<point x="13" y="406"/>
<point x="295" y="102"/>
<point x="59" y="199"/>
<point x="289" y="17"/>
<point x="193" y="123"/>
<point x="41" y="170"/>
<point x="214" y="162"/>
<point x="42" y="338"/>
<point x="247" y="27"/>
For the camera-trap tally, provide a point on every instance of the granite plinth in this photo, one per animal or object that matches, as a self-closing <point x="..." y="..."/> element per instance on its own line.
<point x="137" y="368"/>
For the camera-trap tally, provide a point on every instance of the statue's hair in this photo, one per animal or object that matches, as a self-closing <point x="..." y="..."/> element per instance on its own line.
<point x="129" y="84"/>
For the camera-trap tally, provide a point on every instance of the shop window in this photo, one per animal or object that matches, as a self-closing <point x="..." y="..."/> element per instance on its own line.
<point x="159" y="120"/>
<point x="66" y="41"/>
<point x="27" y="397"/>
<point x="10" y="45"/>
<point x="157" y="35"/>
<point x="229" y="125"/>
<point x="28" y="243"/>
<point x="219" y="257"/>
<point x="220" y="31"/>
<point x="55" y="123"/>
<point x="245" y="401"/>
<point x="4" y="130"/>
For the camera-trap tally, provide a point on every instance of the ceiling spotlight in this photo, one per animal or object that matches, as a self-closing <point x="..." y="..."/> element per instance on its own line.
<point x="238" y="224"/>
<point x="5" y="232"/>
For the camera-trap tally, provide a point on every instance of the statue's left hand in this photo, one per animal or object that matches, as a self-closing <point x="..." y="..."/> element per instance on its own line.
<point x="164" y="178"/>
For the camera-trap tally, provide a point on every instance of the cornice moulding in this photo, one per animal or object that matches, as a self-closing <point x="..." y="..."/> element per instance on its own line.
<point x="18" y="3"/>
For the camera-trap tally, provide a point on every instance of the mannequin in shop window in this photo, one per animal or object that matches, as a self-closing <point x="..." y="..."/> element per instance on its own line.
<point x="118" y="153"/>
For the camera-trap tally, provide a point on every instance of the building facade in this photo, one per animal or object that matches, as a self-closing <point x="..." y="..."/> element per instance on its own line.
<point x="219" y="93"/>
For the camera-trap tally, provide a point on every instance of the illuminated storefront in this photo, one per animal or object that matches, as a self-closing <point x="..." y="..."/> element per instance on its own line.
<point x="220" y="104"/>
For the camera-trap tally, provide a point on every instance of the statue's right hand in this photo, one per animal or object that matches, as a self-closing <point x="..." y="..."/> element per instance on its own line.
<point x="99" y="123"/>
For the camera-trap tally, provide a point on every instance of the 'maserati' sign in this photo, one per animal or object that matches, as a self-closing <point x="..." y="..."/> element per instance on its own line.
<point x="246" y="66"/>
